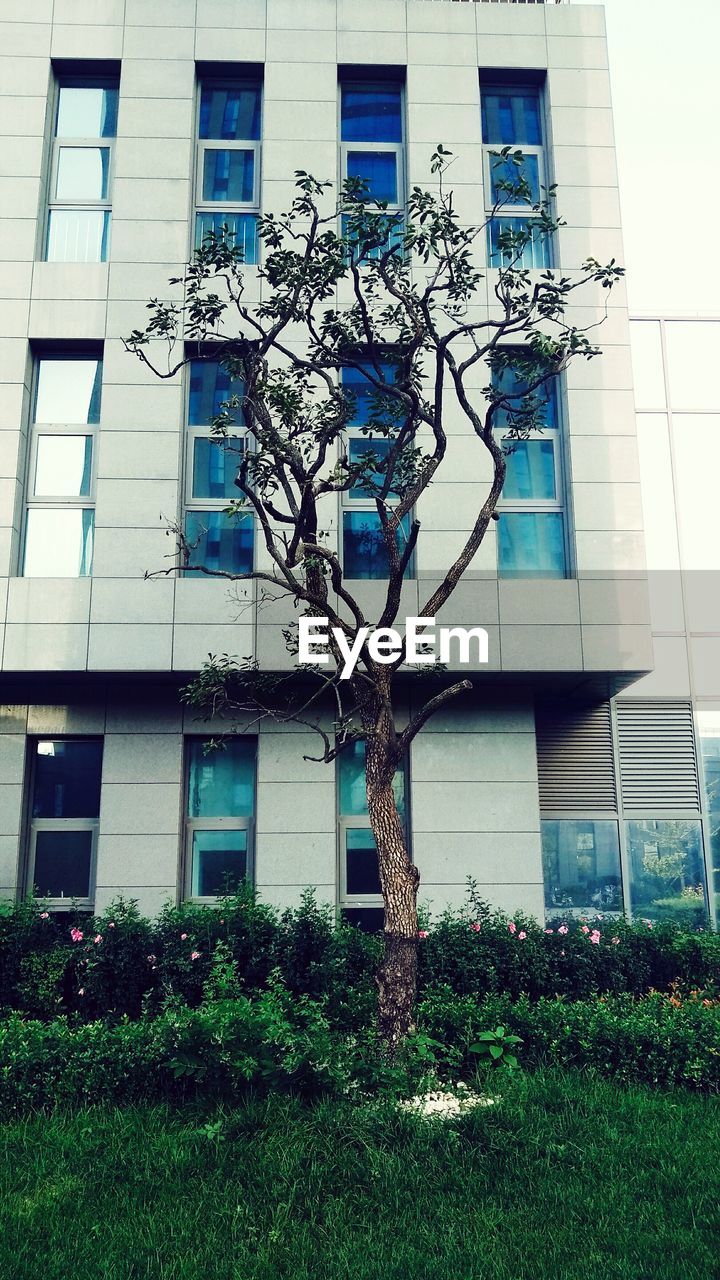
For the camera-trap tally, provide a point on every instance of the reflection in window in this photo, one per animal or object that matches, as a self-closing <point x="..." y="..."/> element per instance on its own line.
<point x="81" y="172"/>
<point x="360" y="888"/>
<point x="228" y="175"/>
<point x="709" y="726"/>
<point x="65" y="805"/>
<point x="220" y="811"/>
<point x="365" y="549"/>
<point x="531" y="544"/>
<point x="667" y="873"/>
<point x="222" y="542"/>
<point x="219" y="542"/>
<point x="511" y="116"/>
<point x="371" y="133"/>
<point x="581" y="866"/>
<point x="60" y="516"/>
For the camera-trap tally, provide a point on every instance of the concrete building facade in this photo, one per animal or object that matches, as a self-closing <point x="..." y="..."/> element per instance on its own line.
<point x="529" y="785"/>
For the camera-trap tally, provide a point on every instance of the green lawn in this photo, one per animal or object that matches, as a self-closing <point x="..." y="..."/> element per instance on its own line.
<point x="568" y="1176"/>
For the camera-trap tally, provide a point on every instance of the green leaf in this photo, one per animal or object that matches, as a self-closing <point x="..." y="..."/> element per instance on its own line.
<point x="496" y="1051"/>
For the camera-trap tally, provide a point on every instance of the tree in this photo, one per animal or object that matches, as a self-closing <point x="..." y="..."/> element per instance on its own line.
<point x="393" y="300"/>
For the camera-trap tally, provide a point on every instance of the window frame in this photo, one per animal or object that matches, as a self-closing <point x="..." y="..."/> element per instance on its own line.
<point x="191" y="825"/>
<point x="520" y="213"/>
<point x="55" y="205"/>
<point x="398" y="149"/>
<point x="88" y="430"/>
<point x="37" y="825"/>
<point x="202" y="207"/>
<point x="346" y="822"/>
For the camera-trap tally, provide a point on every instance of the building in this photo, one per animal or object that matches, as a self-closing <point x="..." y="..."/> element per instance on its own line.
<point x="129" y="129"/>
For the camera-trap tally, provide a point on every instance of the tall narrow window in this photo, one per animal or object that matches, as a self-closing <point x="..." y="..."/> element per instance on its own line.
<point x="372" y="150"/>
<point x="531" y="526"/>
<point x="360" y="889"/>
<point x="217" y="540"/>
<point x="60" y="514"/>
<point x="220" y="814"/>
<point x="65" y="786"/>
<point x="511" y="117"/>
<point x="370" y="434"/>
<point x="227" y="196"/>
<point x="81" y="169"/>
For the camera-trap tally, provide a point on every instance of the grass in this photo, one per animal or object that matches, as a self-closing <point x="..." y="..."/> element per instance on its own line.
<point x="568" y="1175"/>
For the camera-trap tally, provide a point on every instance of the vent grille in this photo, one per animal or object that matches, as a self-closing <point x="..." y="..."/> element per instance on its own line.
<point x="575" y="759"/>
<point x="658" y="763"/>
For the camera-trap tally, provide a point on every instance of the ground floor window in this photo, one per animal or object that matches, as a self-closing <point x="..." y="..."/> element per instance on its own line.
<point x="360" y="891"/>
<point x="581" y="866"/>
<point x="220" y="813"/>
<point x="65" y="776"/>
<point x="667" y="872"/>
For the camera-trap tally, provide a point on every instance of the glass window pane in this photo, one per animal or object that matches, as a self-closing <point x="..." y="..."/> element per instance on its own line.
<point x="62" y="864"/>
<point x="367" y="406"/>
<point x="351" y="767"/>
<point x="647" y="362"/>
<point x="59" y="542"/>
<point x="709" y="725"/>
<point x="82" y="173"/>
<point x="533" y="254"/>
<point x="667" y="874"/>
<point x="581" y="866"/>
<point x="238" y="229"/>
<point x="68" y="391"/>
<point x="86" y="112"/>
<point x="507" y="171"/>
<point x="371" y="114"/>
<point x="365" y="554"/>
<point x="67" y="778"/>
<point x="63" y="466"/>
<point x="215" y="466"/>
<point x="366" y="249"/>
<point x="693" y="347"/>
<point x="545" y="398"/>
<point x="221" y="782"/>
<point x="530" y="468"/>
<point x="511" y="116"/>
<point x="210" y="387"/>
<point x="379" y="170"/>
<point x="220" y="541"/>
<point x="358" y="449"/>
<point x="363" y="875"/>
<point x="531" y="544"/>
<point x="231" y="112"/>
<point x="219" y="862"/>
<point x="367" y="919"/>
<point x="228" y="176"/>
<point x="78" y="235"/>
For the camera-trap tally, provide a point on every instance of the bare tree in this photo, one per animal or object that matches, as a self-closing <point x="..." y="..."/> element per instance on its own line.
<point x="396" y="301"/>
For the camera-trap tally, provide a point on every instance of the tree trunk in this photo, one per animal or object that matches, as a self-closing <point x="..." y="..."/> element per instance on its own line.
<point x="397" y="976"/>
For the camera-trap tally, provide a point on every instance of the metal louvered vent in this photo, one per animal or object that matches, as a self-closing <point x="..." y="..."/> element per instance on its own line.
<point x="575" y="759"/>
<point x="658" y="763"/>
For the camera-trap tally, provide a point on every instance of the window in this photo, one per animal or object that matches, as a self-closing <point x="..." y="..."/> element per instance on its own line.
<point x="65" y="786"/>
<point x="59" y="518"/>
<point x="709" y="728"/>
<point x="218" y="541"/>
<point x="667" y="872"/>
<point x="227" y="191"/>
<point x="360" y="890"/>
<point x="220" y="813"/>
<point x="369" y="432"/>
<point x="531" y="525"/>
<point x="581" y="867"/>
<point x="511" y="117"/>
<point x="81" y="169"/>
<point x="371" y="133"/>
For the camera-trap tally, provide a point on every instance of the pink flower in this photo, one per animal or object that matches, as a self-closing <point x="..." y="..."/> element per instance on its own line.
<point x="77" y="935"/>
<point x="111" y="924"/>
<point x="562" y="953"/>
<point x="584" y="928"/>
<point x="422" y="933"/>
<point x="44" y="915"/>
<point x="476" y="927"/>
<point x="152" y="960"/>
<point x="549" y="930"/>
<point x="183" y="936"/>
<point x="97" y="938"/>
<point x="563" y="929"/>
<point x="81" y="991"/>
<point x="194" y="955"/>
<point x="595" y="936"/>
<point x="649" y="924"/>
<point x="522" y="935"/>
<point x="615" y="941"/>
<point x="511" y="927"/>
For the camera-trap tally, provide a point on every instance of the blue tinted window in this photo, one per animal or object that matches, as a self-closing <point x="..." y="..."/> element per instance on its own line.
<point x="365" y="553"/>
<point x="215" y="466"/>
<point x="210" y="385"/>
<point x="379" y="170"/>
<point x="362" y="871"/>
<point x="357" y="450"/>
<point x="219" y="862"/>
<point x="507" y="171"/>
<point x="221" y="781"/>
<point x="353" y="799"/>
<point x="228" y="175"/>
<point x="531" y="544"/>
<point x="530" y="470"/>
<point x="503" y="251"/>
<point x="238" y="229"/>
<point x="67" y="778"/>
<point x="510" y="383"/>
<point x="511" y="116"/>
<point x="371" y="113"/>
<point x="364" y="393"/>
<point x="231" y="113"/>
<point x="222" y="542"/>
